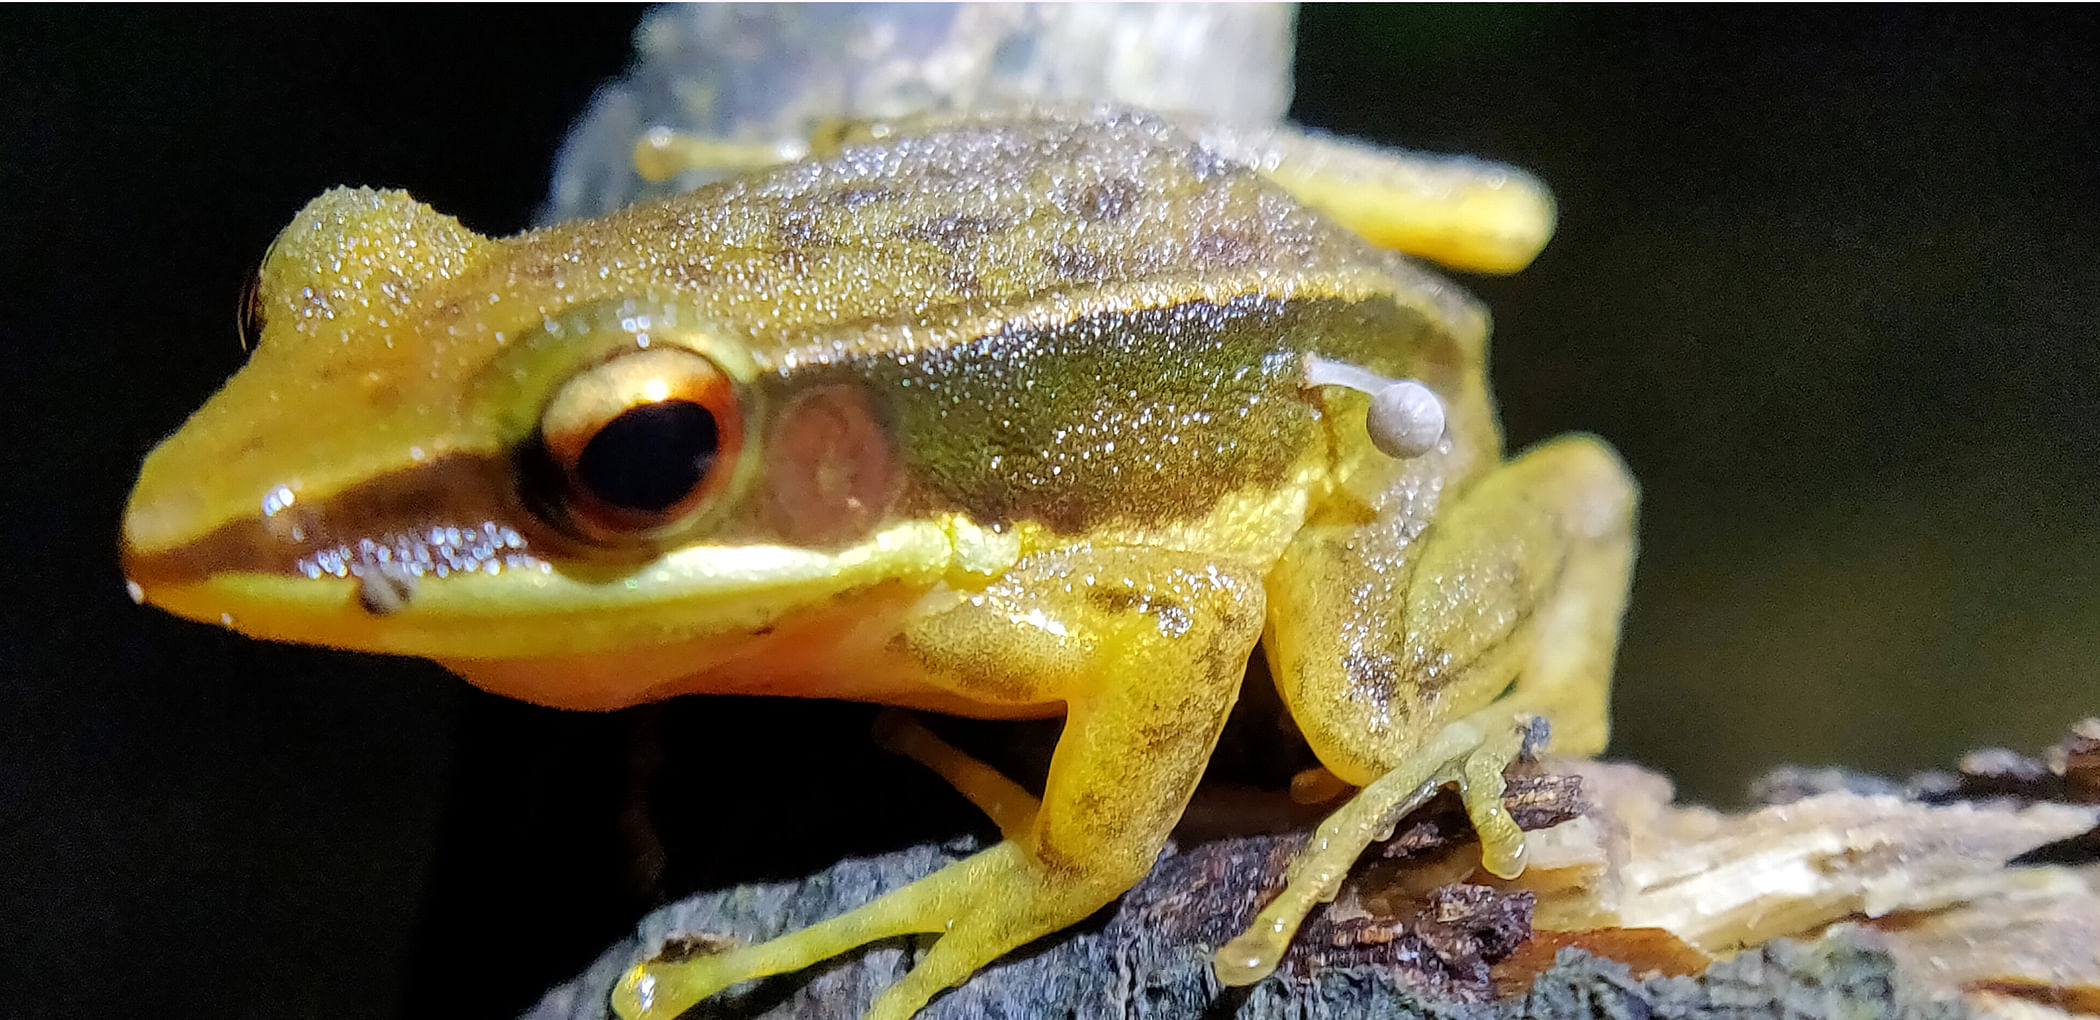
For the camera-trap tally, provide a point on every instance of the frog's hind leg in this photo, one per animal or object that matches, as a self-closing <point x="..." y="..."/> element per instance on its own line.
<point x="1462" y="212"/>
<point x="1411" y="660"/>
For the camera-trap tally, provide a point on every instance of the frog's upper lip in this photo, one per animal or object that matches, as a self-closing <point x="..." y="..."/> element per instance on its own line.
<point x="289" y="567"/>
<point x="531" y="610"/>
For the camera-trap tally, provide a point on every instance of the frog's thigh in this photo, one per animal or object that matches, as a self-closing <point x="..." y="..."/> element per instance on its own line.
<point x="1147" y="650"/>
<point x="1397" y="663"/>
<point x="1375" y="644"/>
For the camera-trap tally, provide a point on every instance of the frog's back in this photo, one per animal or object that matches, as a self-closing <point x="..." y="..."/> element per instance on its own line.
<point x="915" y="240"/>
<point x="1102" y="319"/>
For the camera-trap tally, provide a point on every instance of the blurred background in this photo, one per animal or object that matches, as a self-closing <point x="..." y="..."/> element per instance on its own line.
<point x="1826" y="278"/>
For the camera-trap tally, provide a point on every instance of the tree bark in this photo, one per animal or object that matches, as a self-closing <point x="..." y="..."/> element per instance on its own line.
<point x="1956" y="895"/>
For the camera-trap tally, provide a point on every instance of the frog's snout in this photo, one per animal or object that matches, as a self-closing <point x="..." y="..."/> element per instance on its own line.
<point x="165" y="545"/>
<point x="157" y="521"/>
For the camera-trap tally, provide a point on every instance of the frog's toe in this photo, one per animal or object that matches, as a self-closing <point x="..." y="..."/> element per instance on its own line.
<point x="1480" y="788"/>
<point x="1471" y="752"/>
<point x="662" y="989"/>
<point x="951" y="959"/>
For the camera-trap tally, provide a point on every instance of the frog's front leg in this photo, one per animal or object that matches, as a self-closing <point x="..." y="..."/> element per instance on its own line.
<point x="1414" y="659"/>
<point x="1147" y="650"/>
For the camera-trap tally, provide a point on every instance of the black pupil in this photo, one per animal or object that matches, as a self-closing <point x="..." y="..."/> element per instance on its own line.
<point x="651" y="457"/>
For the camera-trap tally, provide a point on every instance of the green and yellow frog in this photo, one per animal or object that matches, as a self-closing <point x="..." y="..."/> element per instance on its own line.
<point x="1006" y="417"/>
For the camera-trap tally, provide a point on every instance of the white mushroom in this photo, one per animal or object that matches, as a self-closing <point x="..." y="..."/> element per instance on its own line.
<point x="1405" y="418"/>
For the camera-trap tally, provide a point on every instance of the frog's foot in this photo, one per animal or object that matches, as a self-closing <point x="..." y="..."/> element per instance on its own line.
<point x="982" y="908"/>
<point x="1471" y="753"/>
<point x="663" y="153"/>
<point x="1465" y="213"/>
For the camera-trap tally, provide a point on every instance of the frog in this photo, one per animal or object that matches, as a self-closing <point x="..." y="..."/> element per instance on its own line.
<point x="1038" y="415"/>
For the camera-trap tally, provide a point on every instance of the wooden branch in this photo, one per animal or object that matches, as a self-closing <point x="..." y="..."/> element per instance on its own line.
<point x="1970" y="894"/>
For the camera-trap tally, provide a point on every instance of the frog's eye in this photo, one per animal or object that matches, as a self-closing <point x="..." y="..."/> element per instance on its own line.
<point x="640" y="443"/>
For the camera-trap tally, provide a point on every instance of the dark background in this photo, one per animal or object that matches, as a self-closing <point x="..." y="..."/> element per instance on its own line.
<point x="1826" y="278"/>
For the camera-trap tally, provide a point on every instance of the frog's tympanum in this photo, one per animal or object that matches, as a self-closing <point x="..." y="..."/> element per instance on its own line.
<point x="1017" y="417"/>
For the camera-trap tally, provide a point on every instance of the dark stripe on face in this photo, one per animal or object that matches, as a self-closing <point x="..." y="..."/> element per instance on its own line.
<point x="456" y="514"/>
